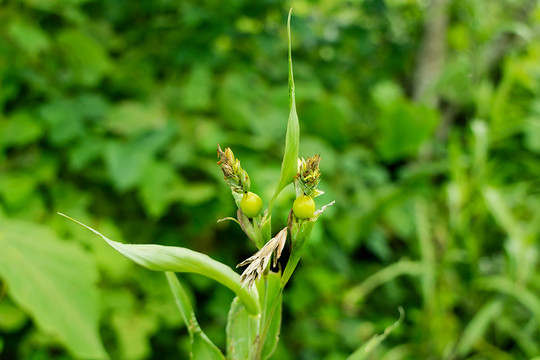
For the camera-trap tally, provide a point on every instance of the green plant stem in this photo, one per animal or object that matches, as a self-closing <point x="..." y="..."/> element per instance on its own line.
<point x="267" y="321"/>
<point x="260" y="342"/>
<point x="289" y="269"/>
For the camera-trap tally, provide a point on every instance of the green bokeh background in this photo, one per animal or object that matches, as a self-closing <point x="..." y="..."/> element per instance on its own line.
<point x="427" y="118"/>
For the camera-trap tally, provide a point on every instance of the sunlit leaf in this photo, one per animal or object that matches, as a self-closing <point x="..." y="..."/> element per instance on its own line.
<point x="87" y="58"/>
<point x="178" y="259"/>
<point x="29" y="37"/>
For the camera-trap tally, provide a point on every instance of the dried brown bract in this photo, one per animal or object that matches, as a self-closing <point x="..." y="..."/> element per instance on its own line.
<point x="259" y="261"/>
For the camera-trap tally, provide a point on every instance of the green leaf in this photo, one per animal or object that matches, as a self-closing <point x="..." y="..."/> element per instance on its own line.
<point x="12" y="318"/>
<point x="196" y="94"/>
<point x="400" y="268"/>
<point x="242" y="331"/>
<point x="178" y="259"/>
<point x="20" y="129"/>
<point x="133" y="332"/>
<point x="203" y="349"/>
<point x="131" y="118"/>
<point x="289" y="166"/>
<point x="531" y="130"/>
<point x="201" y="346"/>
<point x="477" y="327"/>
<point x="508" y="287"/>
<point x="17" y="188"/>
<point x="88" y="60"/>
<point x="28" y="37"/>
<point x="157" y="188"/>
<point x="126" y="164"/>
<point x="404" y="126"/>
<point x="365" y="350"/>
<point x="273" y="294"/>
<point x="85" y="152"/>
<point x="64" y="121"/>
<point x="54" y="282"/>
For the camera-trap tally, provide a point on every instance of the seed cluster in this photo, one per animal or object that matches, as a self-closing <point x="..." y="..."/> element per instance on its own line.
<point x="309" y="174"/>
<point x="236" y="177"/>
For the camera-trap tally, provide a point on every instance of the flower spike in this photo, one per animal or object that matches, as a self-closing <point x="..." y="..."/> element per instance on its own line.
<point x="236" y="177"/>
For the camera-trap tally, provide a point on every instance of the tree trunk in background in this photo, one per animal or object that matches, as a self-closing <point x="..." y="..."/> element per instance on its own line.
<point x="432" y="53"/>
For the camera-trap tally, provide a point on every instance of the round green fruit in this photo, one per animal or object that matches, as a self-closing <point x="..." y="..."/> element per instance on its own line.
<point x="303" y="207"/>
<point x="251" y="204"/>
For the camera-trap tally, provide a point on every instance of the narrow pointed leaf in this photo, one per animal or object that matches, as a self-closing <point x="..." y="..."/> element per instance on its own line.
<point x="178" y="259"/>
<point x="400" y="268"/>
<point x="506" y="286"/>
<point x="202" y="348"/>
<point x="242" y="332"/>
<point x="477" y="327"/>
<point x="55" y="282"/>
<point x="365" y="350"/>
<point x="289" y="165"/>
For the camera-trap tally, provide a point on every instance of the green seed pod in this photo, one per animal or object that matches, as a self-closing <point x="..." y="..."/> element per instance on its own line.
<point x="304" y="207"/>
<point x="251" y="204"/>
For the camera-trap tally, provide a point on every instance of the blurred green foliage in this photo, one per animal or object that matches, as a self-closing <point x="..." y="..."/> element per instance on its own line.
<point x="110" y="111"/>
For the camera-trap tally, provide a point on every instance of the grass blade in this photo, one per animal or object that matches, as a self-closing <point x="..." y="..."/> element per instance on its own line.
<point x="365" y="350"/>
<point x="477" y="327"/>
<point x="359" y="292"/>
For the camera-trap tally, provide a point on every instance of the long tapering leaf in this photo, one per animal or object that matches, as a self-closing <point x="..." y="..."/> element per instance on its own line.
<point x="477" y="327"/>
<point x="178" y="259"/>
<point x="202" y="348"/>
<point x="400" y="268"/>
<point x="292" y="139"/>
<point x="365" y="350"/>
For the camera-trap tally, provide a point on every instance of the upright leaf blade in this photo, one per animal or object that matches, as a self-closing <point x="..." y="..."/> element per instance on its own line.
<point x="477" y="327"/>
<point x="178" y="259"/>
<point x="55" y="282"/>
<point x="289" y="165"/>
<point x="242" y="332"/>
<point x="202" y="348"/>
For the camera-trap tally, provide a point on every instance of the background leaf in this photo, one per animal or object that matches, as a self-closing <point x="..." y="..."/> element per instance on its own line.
<point x="54" y="282"/>
<point x="133" y="73"/>
<point x="365" y="350"/>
